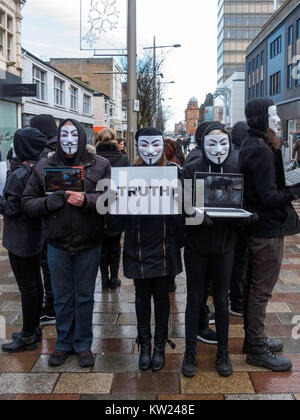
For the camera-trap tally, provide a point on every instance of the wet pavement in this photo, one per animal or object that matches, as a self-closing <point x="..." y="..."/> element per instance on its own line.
<point x="116" y="376"/>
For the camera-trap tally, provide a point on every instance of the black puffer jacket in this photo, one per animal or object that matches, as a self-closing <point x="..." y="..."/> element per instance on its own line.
<point x="71" y="228"/>
<point x="152" y="246"/>
<point x="219" y="238"/>
<point x="22" y="235"/>
<point x="110" y="152"/>
<point x="265" y="190"/>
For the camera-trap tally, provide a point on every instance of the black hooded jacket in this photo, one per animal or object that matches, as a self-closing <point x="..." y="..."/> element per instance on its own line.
<point x="70" y="228"/>
<point x="47" y="125"/>
<point x="266" y="192"/>
<point x="22" y="235"/>
<point x="110" y="152"/>
<point x="219" y="238"/>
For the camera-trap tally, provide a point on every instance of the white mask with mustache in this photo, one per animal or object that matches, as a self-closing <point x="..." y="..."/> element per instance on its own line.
<point x="151" y="149"/>
<point x="69" y="139"/>
<point x="217" y="148"/>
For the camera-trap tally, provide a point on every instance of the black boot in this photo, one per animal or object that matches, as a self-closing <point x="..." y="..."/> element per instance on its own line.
<point x="190" y="359"/>
<point x="114" y="260"/>
<point x="261" y="356"/>
<point x="275" y="345"/>
<point x="104" y="270"/>
<point x="144" y="346"/>
<point x="160" y="341"/>
<point x="224" y="365"/>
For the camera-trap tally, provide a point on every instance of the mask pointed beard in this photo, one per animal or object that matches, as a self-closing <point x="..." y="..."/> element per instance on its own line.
<point x="216" y="148"/>
<point x="69" y="139"/>
<point x="151" y="149"/>
<point x="274" y="119"/>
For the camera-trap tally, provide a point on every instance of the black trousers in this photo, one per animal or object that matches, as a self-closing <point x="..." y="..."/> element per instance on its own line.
<point x="239" y="271"/>
<point x="48" y="294"/>
<point x="110" y="256"/>
<point x="197" y="269"/>
<point x="159" y="289"/>
<point x="27" y="272"/>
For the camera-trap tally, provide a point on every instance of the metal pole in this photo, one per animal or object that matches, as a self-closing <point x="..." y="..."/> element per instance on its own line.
<point x="132" y="82"/>
<point x="154" y="82"/>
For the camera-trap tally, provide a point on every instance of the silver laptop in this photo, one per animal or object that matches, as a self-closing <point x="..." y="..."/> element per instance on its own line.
<point x="292" y="177"/>
<point x="223" y="194"/>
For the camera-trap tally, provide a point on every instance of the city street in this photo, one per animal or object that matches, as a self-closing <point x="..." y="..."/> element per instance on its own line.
<point x="115" y="375"/>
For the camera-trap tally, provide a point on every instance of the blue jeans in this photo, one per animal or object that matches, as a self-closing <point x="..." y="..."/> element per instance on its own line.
<point x="73" y="280"/>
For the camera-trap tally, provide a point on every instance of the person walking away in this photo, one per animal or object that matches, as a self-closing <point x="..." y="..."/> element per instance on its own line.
<point x="266" y="194"/>
<point x="240" y="263"/>
<point x="107" y="147"/>
<point x="296" y="152"/>
<point x="151" y="256"/>
<point x="22" y="237"/>
<point x="47" y="125"/>
<point x="74" y="232"/>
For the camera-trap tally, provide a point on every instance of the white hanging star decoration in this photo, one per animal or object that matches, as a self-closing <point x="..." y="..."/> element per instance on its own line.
<point x="103" y="17"/>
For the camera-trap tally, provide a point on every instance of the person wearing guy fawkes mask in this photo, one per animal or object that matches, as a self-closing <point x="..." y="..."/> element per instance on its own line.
<point x="266" y="194"/>
<point x="73" y="231"/>
<point x="209" y="251"/>
<point x="151" y="256"/>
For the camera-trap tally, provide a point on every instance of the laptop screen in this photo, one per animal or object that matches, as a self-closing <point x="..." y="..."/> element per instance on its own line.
<point x="221" y="190"/>
<point x="66" y="179"/>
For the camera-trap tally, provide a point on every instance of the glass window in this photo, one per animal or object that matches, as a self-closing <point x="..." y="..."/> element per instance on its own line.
<point x="86" y="104"/>
<point x="262" y="88"/>
<point x="9" y="48"/>
<point x="275" y="84"/>
<point x="59" y="92"/>
<point x="275" y="48"/>
<point x="289" y="77"/>
<point x="298" y="28"/>
<point x="2" y="17"/>
<point x="290" y="35"/>
<point x="2" y="34"/>
<point x="39" y="78"/>
<point x="298" y="73"/>
<point x="9" y="23"/>
<point x="74" y="98"/>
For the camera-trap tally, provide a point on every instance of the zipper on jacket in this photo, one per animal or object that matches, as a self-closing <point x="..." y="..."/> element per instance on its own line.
<point x="165" y="248"/>
<point x="140" y="248"/>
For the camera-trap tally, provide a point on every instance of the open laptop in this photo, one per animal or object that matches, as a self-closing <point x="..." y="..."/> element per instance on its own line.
<point x="292" y="177"/>
<point x="223" y="194"/>
<point x="65" y="179"/>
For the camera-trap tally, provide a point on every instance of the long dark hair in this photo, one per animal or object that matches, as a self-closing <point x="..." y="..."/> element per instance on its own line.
<point x="272" y="140"/>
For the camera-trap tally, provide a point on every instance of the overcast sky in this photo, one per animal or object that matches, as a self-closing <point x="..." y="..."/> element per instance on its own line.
<point x="52" y="29"/>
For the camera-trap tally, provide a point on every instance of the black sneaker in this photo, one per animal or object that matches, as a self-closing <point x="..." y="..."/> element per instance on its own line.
<point x="86" y="359"/>
<point x="58" y="358"/>
<point x="21" y="344"/>
<point x="236" y="311"/>
<point x="207" y="336"/>
<point x="189" y="364"/>
<point x="38" y="334"/>
<point x="47" y="318"/>
<point x="270" y="361"/>
<point x="224" y="365"/>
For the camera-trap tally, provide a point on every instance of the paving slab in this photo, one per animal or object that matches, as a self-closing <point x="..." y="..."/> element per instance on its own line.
<point x="260" y="397"/>
<point x="84" y="383"/>
<point x="27" y="383"/>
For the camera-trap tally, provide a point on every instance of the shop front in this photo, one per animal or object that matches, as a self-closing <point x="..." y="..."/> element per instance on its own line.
<point x="289" y="113"/>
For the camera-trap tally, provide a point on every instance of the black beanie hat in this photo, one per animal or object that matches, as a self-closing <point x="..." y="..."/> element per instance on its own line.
<point x="201" y="129"/>
<point x="257" y="114"/>
<point x="46" y="124"/>
<point x="147" y="131"/>
<point x="29" y="143"/>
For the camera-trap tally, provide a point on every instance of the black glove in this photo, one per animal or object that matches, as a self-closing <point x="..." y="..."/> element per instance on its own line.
<point x="250" y="220"/>
<point x="56" y="200"/>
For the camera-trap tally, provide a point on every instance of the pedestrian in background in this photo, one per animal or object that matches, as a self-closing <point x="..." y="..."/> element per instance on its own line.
<point x="23" y="238"/>
<point x="47" y="125"/>
<point x="296" y="152"/>
<point x="266" y="194"/>
<point x="151" y="256"/>
<point x="74" y="232"/>
<point x="107" y="147"/>
<point x="121" y="146"/>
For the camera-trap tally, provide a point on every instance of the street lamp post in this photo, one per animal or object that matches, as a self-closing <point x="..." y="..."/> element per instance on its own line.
<point x="132" y="80"/>
<point x="154" y="73"/>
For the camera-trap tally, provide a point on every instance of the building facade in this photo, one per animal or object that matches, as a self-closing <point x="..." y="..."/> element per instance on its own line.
<point x="109" y="81"/>
<point x="273" y="68"/>
<point x="10" y="71"/>
<point x="192" y="115"/>
<point x="234" y="95"/>
<point x="239" y="21"/>
<point x="57" y="94"/>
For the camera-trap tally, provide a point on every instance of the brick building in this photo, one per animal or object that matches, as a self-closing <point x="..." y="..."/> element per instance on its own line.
<point x="192" y="115"/>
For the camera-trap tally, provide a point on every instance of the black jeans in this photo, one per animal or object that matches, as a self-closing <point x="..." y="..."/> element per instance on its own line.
<point x="27" y="272"/>
<point x="110" y="256"/>
<point x="159" y="289"/>
<point x="197" y="269"/>
<point x="49" y="299"/>
<point x="239" y="271"/>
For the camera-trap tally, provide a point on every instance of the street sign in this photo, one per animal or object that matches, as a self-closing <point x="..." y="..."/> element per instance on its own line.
<point x="136" y="105"/>
<point x="19" y="90"/>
